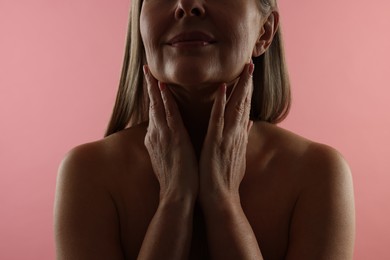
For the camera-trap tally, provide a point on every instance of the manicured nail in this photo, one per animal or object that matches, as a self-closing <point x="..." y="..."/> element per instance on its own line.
<point x="251" y="69"/>
<point x="145" y="69"/>
<point x="162" y="86"/>
<point x="223" y="88"/>
<point x="250" y="125"/>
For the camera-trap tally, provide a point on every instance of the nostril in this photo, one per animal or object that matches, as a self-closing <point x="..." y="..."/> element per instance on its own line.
<point x="193" y="10"/>
<point x="179" y="13"/>
<point x="196" y="12"/>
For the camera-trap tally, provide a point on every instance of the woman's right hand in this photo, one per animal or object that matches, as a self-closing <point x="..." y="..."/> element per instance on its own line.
<point x="169" y="146"/>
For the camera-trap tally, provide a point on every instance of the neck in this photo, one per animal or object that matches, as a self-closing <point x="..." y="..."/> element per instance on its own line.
<point x="195" y="105"/>
<point x="195" y="109"/>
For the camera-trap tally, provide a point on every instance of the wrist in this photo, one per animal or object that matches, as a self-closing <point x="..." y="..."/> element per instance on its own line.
<point x="177" y="199"/>
<point x="219" y="201"/>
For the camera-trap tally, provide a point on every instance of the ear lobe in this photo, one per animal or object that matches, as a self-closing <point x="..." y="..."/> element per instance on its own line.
<point x="267" y="33"/>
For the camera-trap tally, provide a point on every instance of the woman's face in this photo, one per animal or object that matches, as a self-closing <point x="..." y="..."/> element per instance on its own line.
<point x="199" y="42"/>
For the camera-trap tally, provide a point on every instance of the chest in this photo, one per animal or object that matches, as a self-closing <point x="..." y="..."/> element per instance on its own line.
<point x="267" y="201"/>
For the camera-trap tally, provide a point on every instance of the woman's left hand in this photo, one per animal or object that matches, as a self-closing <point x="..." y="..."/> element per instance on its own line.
<point x="223" y="159"/>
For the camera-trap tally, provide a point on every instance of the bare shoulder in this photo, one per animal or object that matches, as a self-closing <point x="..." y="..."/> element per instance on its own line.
<point x="309" y="157"/>
<point x="323" y="221"/>
<point x="99" y="156"/>
<point x="86" y="218"/>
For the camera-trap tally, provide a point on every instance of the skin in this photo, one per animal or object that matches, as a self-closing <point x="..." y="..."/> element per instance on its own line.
<point x="195" y="75"/>
<point x="195" y="70"/>
<point x="199" y="180"/>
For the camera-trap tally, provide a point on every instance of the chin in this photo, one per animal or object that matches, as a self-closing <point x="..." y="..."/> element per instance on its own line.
<point x="191" y="74"/>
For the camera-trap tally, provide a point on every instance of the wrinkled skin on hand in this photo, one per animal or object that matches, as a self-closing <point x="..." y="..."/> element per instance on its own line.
<point x="168" y="143"/>
<point x="222" y="163"/>
<point x="223" y="158"/>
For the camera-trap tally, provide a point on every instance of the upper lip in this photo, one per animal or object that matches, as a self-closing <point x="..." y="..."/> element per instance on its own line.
<point x="192" y="36"/>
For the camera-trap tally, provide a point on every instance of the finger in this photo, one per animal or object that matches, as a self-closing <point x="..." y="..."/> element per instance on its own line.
<point x="237" y="105"/>
<point x="156" y="107"/>
<point x="250" y="124"/>
<point x="247" y="106"/>
<point x="216" y="122"/>
<point x="172" y="113"/>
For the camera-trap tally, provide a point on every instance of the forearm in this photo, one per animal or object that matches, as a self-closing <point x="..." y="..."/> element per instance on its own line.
<point x="170" y="231"/>
<point x="229" y="233"/>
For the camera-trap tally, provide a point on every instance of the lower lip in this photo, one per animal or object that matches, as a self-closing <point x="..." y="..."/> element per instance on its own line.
<point x="190" y="44"/>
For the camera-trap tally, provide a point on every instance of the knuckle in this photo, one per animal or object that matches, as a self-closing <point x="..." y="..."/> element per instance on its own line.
<point x="157" y="137"/>
<point x="219" y="122"/>
<point x="239" y="108"/>
<point x="153" y="105"/>
<point x="149" y="136"/>
<point x="218" y="117"/>
<point x="164" y="135"/>
<point x="148" y="141"/>
<point x="169" y="114"/>
<point x="224" y="146"/>
<point x="152" y="133"/>
<point x="248" y="99"/>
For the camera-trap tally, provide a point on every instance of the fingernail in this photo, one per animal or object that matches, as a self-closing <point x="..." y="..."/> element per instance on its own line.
<point x="145" y="69"/>
<point x="162" y="86"/>
<point x="223" y="88"/>
<point x="250" y="125"/>
<point x="251" y="69"/>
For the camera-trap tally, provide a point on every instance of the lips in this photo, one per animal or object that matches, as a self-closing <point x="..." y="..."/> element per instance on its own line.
<point x="191" y="38"/>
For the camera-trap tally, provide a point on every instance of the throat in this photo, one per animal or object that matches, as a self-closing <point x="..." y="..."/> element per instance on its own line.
<point x="197" y="130"/>
<point x="195" y="118"/>
<point x="195" y="109"/>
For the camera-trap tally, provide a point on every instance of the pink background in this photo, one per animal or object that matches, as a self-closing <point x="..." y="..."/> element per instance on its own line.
<point x="59" y="69"/>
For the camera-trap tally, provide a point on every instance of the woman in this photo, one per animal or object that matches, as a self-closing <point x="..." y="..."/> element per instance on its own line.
<point x="193" y="165"/>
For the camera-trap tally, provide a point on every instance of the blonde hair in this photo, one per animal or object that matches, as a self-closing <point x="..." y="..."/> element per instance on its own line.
<point x="271" y="95"/>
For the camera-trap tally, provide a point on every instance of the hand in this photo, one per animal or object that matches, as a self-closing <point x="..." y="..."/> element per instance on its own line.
<point x="168" y="144"/>
<point x="223" y="158"/>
